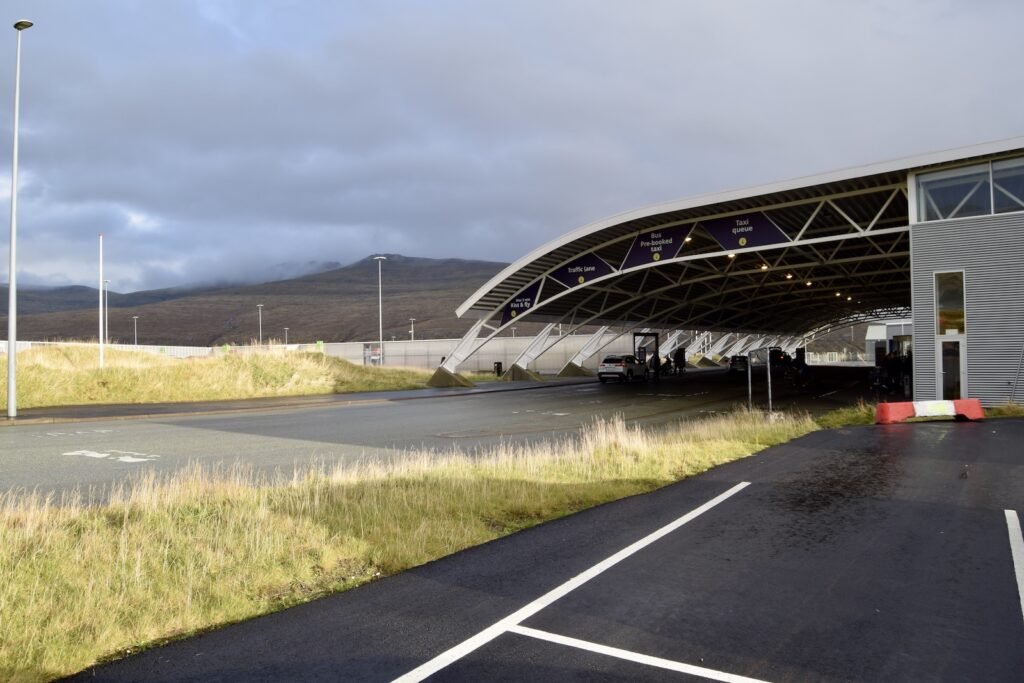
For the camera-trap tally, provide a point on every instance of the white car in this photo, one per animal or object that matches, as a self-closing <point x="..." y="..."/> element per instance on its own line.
<point x="622" y="368"/>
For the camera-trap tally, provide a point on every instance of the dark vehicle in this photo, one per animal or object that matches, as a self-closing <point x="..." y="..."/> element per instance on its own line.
<point x="622" y="368"/>
<point x="738" y="364"/>
<point x="777" y="356"/>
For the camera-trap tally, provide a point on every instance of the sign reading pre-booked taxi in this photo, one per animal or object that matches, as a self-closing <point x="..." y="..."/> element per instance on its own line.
<point x="656" y="245"/>
<point x="521" y="303"/>
<point x="748" y="230"/>
<point x="582" y="270"/>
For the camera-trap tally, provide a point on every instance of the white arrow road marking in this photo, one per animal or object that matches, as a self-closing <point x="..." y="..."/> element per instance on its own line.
<point x="121" y="456"/>
<point x="89" y="454"/>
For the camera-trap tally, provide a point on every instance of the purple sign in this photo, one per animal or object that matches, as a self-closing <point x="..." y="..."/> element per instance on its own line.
<point x="656" y="245"/>
<point x="748" y="230"/>
<point x="582" y="270"/>
<point x="521" y="303"/>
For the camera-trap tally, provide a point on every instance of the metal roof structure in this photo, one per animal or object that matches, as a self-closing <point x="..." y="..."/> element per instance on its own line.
<point x="785" y="258"/>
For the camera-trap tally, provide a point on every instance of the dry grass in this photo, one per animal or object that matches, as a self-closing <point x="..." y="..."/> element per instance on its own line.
<point x="70" y="375"/>
<point x="859" y="414"/>
<point x="1005" y="410"/>
<point x="171" y="556"/>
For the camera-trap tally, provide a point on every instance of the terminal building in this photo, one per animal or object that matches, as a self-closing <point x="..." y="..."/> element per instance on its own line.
<point x="936" y="240"/>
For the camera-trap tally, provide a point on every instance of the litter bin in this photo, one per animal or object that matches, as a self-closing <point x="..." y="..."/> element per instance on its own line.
<point x="497" y="369"/>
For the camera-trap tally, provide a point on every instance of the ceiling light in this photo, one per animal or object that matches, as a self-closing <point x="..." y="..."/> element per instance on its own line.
<point x="849" y="298"/>
<point x="808" y="283"/>
<point x="732" y="255"/>
<point x="838" y="294"/>
<point x="688" y="239"/>
<point x="789" y="276"/>
<point x="764" y="266"/>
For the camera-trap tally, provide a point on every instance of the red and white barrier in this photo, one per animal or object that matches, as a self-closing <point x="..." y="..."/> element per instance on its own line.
<point x="966" y="408"/>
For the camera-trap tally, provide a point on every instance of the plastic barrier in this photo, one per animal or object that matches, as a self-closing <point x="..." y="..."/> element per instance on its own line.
<point x="965" y="409"/>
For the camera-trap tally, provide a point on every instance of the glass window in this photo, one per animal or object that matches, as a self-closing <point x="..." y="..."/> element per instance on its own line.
<point x="949" y="303"/>
<point x="956" y="193"/>
<point x="1008" y="185"/>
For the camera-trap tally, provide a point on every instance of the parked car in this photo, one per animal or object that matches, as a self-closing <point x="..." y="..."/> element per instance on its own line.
<point x="622" y="368"/>
<point x="738" y="364"/>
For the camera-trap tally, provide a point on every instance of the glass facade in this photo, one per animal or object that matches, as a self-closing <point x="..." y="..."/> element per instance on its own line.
<point x="1008" y="185"/>
<point x="979" y="190"/>
<point x="949" y="303"/>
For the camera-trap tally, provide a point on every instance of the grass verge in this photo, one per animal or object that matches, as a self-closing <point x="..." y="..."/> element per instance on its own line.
<point x="171" y="556"/>
<point x="70" y="375"/>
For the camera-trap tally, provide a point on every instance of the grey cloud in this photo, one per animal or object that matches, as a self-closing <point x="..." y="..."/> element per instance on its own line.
<point x="210" y="139"/>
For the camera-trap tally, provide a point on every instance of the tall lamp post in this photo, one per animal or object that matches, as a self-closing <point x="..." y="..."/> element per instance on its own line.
<point x="286" y="336"/>
<point x="12" y="284"/>
<point x="259" y="307"/>
<point x="99" y="334"/>
<point x="106" y="311"/>
<point x="412" y="329"/>
<point x="135" y="322"/>
<point x="380" y="308"/>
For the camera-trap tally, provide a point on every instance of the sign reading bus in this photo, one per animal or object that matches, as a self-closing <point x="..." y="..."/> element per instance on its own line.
<point x="656" y="245"/>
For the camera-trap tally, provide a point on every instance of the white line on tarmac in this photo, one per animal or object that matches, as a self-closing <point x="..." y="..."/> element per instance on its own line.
<point x="1017" y="551"/>
<point x="491" y="632"/>
<point x="633" y="656"/>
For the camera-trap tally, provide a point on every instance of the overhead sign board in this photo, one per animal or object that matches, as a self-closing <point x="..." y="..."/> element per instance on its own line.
<point x="748" y="230"/>
<point x="582" y="270"/>
<point x="521" y="303"/>
<point x="656" y="245"/>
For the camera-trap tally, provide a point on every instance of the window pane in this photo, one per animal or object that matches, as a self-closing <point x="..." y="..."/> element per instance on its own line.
<point x="950" y="370"/>
<point x="949" y="303"/>
<point x="956" y="193"/>
<point x="1009" y="185"/>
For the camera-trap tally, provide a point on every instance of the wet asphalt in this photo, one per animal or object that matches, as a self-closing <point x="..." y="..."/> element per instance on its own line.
<point x="92" y="455"/>
<point x="859" y="554"/>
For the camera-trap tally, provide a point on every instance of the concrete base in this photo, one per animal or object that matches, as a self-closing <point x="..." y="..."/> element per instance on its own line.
<point x="573" y="370"/>
<point x="443" y="378"/>
<point x="516" y="373"/>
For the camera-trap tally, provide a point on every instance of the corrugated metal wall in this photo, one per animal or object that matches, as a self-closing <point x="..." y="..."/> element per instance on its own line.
<point x="988" y="249"/>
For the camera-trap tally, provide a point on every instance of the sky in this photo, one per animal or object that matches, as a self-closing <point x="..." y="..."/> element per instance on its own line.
<point x="221" y="140"/>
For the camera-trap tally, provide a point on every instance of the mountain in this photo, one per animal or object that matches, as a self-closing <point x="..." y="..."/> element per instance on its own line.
<point x="335" y="305"/>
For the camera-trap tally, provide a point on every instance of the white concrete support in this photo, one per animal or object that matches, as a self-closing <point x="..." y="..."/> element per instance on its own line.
<point x="592" y="346"/>
<point x="464" y="348"/>
<point x="535" y="347"/>
<point x="720" y="344"/>
<point x="700" y="345"/>
<point x="734" y="348"/>
<point x="675" y="339"/>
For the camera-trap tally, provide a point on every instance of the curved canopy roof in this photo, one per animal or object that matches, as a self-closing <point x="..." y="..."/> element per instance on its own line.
<point x="784" y="258"/>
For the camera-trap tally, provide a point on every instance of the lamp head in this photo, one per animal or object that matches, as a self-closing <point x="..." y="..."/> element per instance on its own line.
<point x="22" y="25"/>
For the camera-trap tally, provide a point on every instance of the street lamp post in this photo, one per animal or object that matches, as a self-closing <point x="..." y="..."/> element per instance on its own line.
<point x="12" y="284"/>
<point x="412" y="329"/>
<point x="106" y="311"/>
<point x="286" y="336"/>
<point x="380" y="308"/>
<point x="259" y="308"/>
<point x="135" y="323"/>
<point x="99" y="334"/>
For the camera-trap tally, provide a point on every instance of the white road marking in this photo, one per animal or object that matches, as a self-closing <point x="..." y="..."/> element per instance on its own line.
<point x="89" y="454"/>
<point x="491" y="632"/>
<point x="633" y="656"/>
<point x="829" y="393"/>
<point x="75" y="433"/>
<point x="1017" y="551"/>
<point x="121" y="456"/>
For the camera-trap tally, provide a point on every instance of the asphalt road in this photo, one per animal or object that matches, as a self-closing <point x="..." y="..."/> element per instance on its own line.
<point x="92" y="454"/>
<point x="860" y="554"/>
